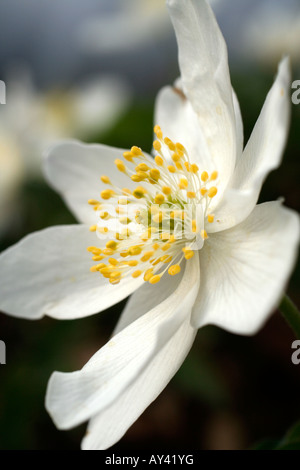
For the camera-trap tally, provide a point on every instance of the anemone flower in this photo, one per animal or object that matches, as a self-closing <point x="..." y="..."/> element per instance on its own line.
<point x="181" y="231"/>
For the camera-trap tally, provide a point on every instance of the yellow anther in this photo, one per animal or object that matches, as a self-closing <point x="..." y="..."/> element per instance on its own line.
<point x="157" y="218"/>
<point x="178" y="166"/>
<point x="136" y="273"/>
<point x="154" y="279"/>
<point x="128" y="156"/>
<point x="172" y="239"/>
<point x="203" y="234"/>
<point x="142" y="167"/>
<point x="212" y="192"/>
<point x="114" y="281"/>
<point x="123" y="201"/>
<point x="133" y="262"/>
<point x="155" y="174"/>
<point x="120" y="165"/>
<point x="93" y="202"/>
<point x="107" y="193"/>
<point x="142" y="175"/>
<point x="166" y="247"/>
<point x="155" y="246"/>
<point x="113" y="261"/>
<point x="194" y="226"/>
<point x="135" y="250"/>
<point x="159" y="161"/>
<point x="214" y="175"/>
<point x="175" y="157"/>
<point x="166" y="190"/>
<point x="136" y="151"/>
<point x="179" y="147"/>
<point x="93" y="228"/>
<point x="158" y="132"/>
<point x="159" y="198"/>
<point x="100" y="266"/>
<point x="126" y="191"/>
<point x="203" y="191"/>
<point x="169" y="143"/>
<point x="104" y="215"/>
<point x="210" y="218"/>
<point x="124" y="254"/>
<point x="108" y="251"/>
<point x="165" y="236"/>
<point x="105" y="179"/>
<point x="93" y="269"/>
<point x="147" y="256"/>
<point x="111" y="244"/>
<point x="172" y="169"/>
<point x="124" y="220"/>
<point x="105" y="270"/>
<point x="148" y="274"/>
<point x="102" y="229"/>
<point x="139" y="192"/>
<point x="97" y="207"/>
<point x="157" y="145"/>
<point x="97" y="258"/>
<point x="136" y="178"/>
<point x="187" y="166"/>
<point x="183" y="183"/>
<point x="189" y="254"/>
<point x="94" y="250"/>
<point x="204" y="176"/>
<point x="173" y="270"/>
<point x="194" y="168"/>
<point x="191" y="194"/>
<point x="115" y="275"/>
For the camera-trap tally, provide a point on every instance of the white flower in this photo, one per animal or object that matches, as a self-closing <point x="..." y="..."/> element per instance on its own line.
<point x="31" y="120"/>
<point x="236" y="263"/>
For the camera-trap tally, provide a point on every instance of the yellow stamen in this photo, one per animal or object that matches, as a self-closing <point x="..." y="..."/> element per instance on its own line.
<point x="173" y="270"/>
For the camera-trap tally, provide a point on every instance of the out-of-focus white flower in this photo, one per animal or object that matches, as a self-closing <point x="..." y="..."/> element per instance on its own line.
<point x="31" y="120"/>
<point x="11" y="176"/>
<point x="127" y="25"/>
<point x="274" y="30"/>
<point x="229" y="268"/>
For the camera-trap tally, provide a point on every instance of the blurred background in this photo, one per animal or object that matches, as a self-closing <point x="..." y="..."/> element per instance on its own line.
<point x="91" y="70"/>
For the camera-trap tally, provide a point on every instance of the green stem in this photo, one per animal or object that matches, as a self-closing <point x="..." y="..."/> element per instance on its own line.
<point x="291" y="314"/>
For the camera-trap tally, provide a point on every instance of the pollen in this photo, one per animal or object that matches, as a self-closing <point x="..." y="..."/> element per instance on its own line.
<point x="159" y="214"/>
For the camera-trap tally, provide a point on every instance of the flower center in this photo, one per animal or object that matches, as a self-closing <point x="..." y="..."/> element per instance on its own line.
<point x="163" y="220"/>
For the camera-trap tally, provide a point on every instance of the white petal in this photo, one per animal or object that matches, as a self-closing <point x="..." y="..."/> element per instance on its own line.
<point x="110" y="425"/>
<point x="48" y="273"/>
<point x="244" y="270"/>
<point x="178" y="121"/>
<point x="205" y="78"/>
<point x="74" y="398"/>
<point x="239" y="131"/>
<point x="262" y="154"/>
<point x="147" y="297"/>
<point x="74" y="170"/>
